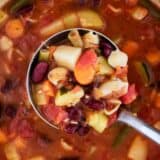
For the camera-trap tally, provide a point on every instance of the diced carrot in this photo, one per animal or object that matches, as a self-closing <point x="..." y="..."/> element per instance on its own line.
<point x="14" y="28"/>
<point x="48" y="88"/>
<point x="85" y="67"/>
<point x="153" y="57"/>
<point x="130" y="47"/>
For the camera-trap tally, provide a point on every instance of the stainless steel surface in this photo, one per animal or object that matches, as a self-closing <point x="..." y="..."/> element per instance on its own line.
<point x="142" y="127"/>
<point x="124" y="116"/>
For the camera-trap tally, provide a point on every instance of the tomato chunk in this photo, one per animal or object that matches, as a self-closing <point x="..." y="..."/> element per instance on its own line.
<point x="54" y="113"/>
<point x="130" y="96"/>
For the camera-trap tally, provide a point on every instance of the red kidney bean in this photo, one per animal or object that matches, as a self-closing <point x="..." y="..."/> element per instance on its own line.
<point x="74" y="113"/>
<point x="39" y="72"/>
<point x="106" y="48"/>
<point x="83" y="130"/>
<point x="93" y="104"/>
<point x="71" y="128"/>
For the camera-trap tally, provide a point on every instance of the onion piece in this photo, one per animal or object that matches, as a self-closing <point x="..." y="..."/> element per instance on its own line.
<point x="118" y="59"/>
<point x="115" y="88"/>
<point x="67" y="56"/>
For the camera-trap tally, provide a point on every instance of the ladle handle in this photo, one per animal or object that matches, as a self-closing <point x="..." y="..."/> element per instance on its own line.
<point x="129" y="119"/>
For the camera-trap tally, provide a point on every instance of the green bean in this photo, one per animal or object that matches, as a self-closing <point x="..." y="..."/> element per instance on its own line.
<point x="121" y="136"/>
<point x="153" y="11"/>
<point x="19" y="4"/>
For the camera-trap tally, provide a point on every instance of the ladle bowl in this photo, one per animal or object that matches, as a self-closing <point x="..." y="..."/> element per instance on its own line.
<point x="124" y="115"/>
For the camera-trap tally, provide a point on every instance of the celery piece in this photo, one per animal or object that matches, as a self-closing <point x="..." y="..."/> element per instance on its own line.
<point x="43" y="55"/>
<point x="152" y="9"/>
<point x="120" y="137"/>
<point x="144" y="71"/>
<point x="19" y="4"/>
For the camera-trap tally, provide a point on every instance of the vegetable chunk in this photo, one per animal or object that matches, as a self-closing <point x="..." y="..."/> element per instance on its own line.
<point x="117" y="59"/>
<point x="70" y="98"/>
<point x="138" y="149"/>
<point x="85" y="68"/>
<point x="98" y="121"/>
<point x="67" y="56"/>
<point x="14" y="28"/>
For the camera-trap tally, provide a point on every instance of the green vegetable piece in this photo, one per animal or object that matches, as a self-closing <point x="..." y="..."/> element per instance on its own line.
<point x="44" y="55"/>
<point x="152" y="9"/>
<point x="121" y="136"/>
<point x="20" y="4"/>
<point x="145" y="72"/>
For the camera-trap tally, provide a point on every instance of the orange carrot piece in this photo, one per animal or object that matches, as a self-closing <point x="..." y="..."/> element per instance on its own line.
<point x="14" y="28"/>
<point x="85" y="67"/>
<point x="84" y="76"/>
<point x="130" y="47"/>
<point x="153" y="57"/>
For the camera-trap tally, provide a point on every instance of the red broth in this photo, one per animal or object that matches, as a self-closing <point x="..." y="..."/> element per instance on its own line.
<point x="136" y="30"/>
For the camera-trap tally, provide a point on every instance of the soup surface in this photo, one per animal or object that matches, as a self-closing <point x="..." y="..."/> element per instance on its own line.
<point x="24" y="24"/>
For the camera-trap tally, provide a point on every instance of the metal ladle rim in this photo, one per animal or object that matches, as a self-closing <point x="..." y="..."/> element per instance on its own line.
<point x="37" y="52"/>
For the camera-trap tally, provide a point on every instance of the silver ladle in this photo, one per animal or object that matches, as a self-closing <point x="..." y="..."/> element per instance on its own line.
<point x="124" y="115"/>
